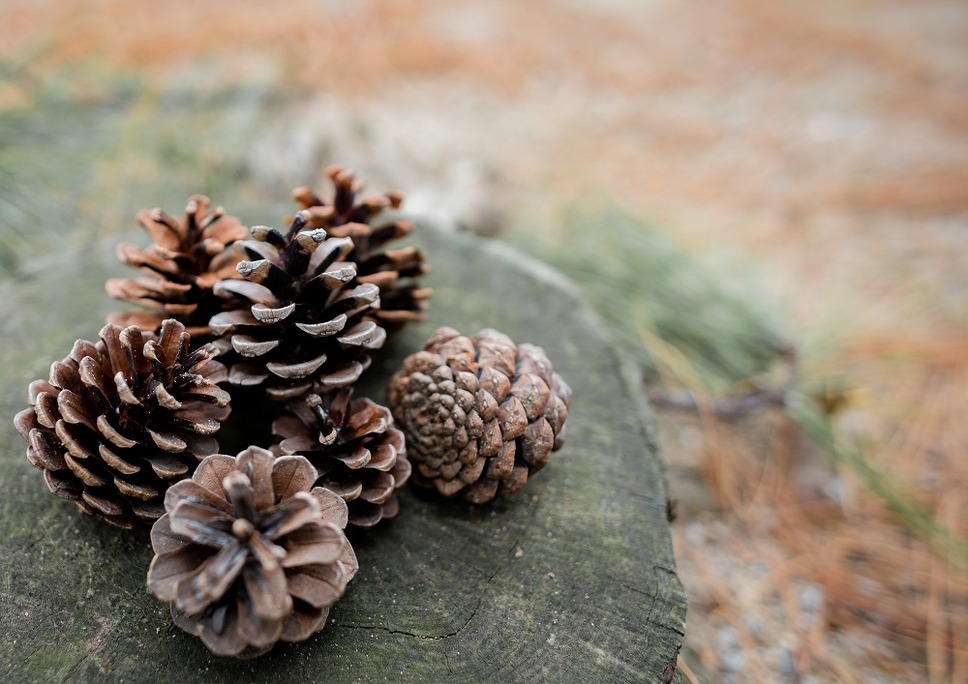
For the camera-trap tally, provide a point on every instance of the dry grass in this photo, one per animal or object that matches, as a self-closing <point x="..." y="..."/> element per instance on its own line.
<point x="815" y="573"/>
<point x="825" y="142"/>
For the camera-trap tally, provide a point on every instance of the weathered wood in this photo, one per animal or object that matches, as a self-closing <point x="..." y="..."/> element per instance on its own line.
<point x="571" y="580"/>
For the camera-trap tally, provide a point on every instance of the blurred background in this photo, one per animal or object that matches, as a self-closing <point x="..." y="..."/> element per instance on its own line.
<point x="766" y="200"/>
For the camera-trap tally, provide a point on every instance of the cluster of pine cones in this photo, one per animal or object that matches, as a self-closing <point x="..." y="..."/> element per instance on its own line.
<point x="251" y="549"/>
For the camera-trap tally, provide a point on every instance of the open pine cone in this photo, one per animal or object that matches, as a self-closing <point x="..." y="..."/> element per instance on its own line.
<point x="249" y="553"/>
<point x="480" y="414"/>
<point x="301" y="319"/>
<point x="119" y="421"/>
<point x="184" y="261"/>
<point x="354" y="446"/>
<point x="394" y="271"/>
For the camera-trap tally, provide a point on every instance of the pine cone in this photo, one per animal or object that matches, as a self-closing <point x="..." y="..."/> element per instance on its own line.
<point x="299" y="314"/>
<point x="394" y="271"/>
<point x="354" y="446"/>
<point x="249" y="553"/>
<point x="119" y="421"/>
<point x="183" y="263"/>
<point x="480" y="414"/>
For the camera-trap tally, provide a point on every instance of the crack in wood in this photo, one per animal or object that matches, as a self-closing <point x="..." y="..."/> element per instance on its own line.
<point x="429" y="637"/>
<point x="480" y="599"/>
<point x="680" y="626"/>
<point x="68" y="676"/>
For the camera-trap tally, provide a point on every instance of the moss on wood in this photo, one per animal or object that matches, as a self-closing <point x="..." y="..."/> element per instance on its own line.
<point x="571" y="580"/>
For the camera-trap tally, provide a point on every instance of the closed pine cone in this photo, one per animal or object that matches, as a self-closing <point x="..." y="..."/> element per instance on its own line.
<point x="480" y="414"/>
<point x="183" y="263"/>
<point x="354" y="446"/>
<point x="249" y="553"/>
<point x="300" y="318"/>
<point x="394" y="271"/>
<point x="119" y="421"/>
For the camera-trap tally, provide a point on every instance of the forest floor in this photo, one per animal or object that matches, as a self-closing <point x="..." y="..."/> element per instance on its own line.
<point x="811" y="158"/>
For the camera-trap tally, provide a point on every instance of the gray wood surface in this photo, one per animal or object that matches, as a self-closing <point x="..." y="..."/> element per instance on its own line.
<point x="571" y="580"/>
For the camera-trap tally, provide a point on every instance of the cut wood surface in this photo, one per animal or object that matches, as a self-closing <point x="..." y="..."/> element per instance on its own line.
<point x="572" y="579"/>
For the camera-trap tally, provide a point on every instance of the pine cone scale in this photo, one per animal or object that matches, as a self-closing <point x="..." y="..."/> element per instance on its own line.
<point x="383" y="458"/>
<point x="142" y="492"/>
<point x="174" y="565"/>
<point x="104" y="506"/>
<point x="342" y="376"/>
<point x="348" y="491"/>
<point x="325" y="328"/>
<point x="66" y="438"/>
<point x="317" y="591"/>
<point x="379" y="489"/>
<point x="85" y="475"/>
<point x="512" y="418"/>
<point x="206" y="525"/>
<point x="268" y="315"/>
<point x="148" y="511"/>
<point x="43" y="398"/>
<point x="60" y="486"/>
<point x="115" y="462"/>
<point x="318" y="544"/>
<point x="270" y="602"/>
<point x="195" y="494"/>
<point x="162" y="538"/>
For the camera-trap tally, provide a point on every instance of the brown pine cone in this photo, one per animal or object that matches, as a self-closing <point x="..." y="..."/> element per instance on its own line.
<point x="249" y="553"/>
<point x="480" y="414"/>
<point x="183" y="263"/>
<point x="354" y="446"/>
<point x="118" y="422"/>
<point x="300" y="318"/>
<point x="394" y="271"/>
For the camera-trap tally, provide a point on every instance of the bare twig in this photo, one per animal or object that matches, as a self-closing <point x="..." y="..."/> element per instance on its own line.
<point x="735" y="406"/>
<point x="727" y="408"/>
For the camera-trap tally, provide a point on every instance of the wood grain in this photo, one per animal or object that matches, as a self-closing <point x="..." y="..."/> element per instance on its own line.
<point x="573" y="579"/>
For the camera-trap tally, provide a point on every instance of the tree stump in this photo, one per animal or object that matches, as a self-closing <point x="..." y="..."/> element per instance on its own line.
<point x="572" y="579"/>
